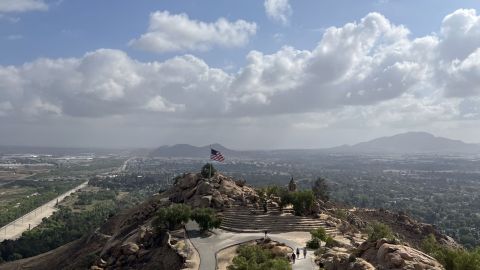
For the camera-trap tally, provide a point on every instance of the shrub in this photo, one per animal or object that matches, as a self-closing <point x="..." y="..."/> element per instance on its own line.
<point x="313" y="243"/>
<point x="286" y="197"/>
<point x="320" y="189"/>
<point x="256" y="258"/>
<point x="319" y="233"/>
<point x="208" y="170"/>
<point x="206" y="218"/>
<point x="378" y="231"/>
<point x="302" y="202"/>
<point x="330" y="242"/>
<point x="452" y="259"/>
<point x="171" y="217"/>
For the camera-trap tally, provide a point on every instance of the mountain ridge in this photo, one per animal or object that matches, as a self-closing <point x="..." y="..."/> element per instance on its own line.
<point x="410" y="142"/>
<point x="402" y="143"/>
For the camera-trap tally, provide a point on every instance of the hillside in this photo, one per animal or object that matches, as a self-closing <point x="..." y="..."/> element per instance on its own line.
<point x="129" y="241"/>
<point x="410" y="143"/>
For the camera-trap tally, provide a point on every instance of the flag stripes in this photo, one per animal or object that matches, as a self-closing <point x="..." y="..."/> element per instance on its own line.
<point x="216" y="155"/>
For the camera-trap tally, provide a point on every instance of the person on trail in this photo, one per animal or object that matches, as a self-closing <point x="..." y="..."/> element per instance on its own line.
<point x="293" y="258"/>
<point x="304" y="252"/>
<point x="266" y="233"/>
<point x="298" y="253"/>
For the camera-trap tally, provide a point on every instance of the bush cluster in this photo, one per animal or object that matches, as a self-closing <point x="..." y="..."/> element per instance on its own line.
<point x="252" y="257"/>
<point x="378" y="231"/>
<point x="172" y="217"/>
<point x="318" y="235"/>
<point x="452" y="259"/>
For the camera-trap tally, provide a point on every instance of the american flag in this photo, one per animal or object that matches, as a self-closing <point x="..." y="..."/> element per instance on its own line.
<point x="216" y="155"/>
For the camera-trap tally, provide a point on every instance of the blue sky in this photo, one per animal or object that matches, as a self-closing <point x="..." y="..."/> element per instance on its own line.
<point x="71" y="28"/>
<point x="262" y="73"/>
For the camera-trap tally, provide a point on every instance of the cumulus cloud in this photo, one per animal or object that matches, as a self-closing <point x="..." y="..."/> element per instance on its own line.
<point x="22" y="5"/>
<point x="90" y="87"/>
<point x="177" y="32"/>
<point x="369" y="72"/>
<point x="278" y="10"/>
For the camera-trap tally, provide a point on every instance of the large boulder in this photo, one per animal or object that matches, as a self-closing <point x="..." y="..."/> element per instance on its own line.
<point x="204" y="188"/>
<point x="386" y="255"/>
<point x="336" y="259"/>
<point x="188" y="181"/>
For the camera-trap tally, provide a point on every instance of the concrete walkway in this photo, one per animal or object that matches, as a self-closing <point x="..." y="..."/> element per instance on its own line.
<point x="209" y="246"/>
<point x="14" y="229"/>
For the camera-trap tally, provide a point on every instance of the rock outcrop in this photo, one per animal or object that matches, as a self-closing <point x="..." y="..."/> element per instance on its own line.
<point x="410" y="230"/>
<point x="217" y="192"/>
<point x="339" y="259"/>
<point x="386" y="255"/>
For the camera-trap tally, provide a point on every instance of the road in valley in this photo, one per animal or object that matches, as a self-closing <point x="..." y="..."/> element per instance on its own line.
<point x="14" y="229"/>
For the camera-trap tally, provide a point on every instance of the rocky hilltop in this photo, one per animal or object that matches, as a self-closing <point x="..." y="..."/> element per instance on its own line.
<point x="217" y="192"/>
<point x="129" y="241"/>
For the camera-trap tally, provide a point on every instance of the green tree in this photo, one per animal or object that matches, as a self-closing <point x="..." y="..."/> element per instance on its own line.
<point x="171" y="217"/>
<point x="378" y="230"/>
<point x="320" y="189"/>
<point x="206" y="218"/>
<point x="302" y="202"/>
<point x="208" y="170"/>
<point x="317" y="235"/>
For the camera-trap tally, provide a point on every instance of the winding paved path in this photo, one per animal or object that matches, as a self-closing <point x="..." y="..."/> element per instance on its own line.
<point x="209" y="246"/>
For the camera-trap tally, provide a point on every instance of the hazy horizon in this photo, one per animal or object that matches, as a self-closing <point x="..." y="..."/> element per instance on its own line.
<point x="272" y="74"/>
<point x="224" y="145"/>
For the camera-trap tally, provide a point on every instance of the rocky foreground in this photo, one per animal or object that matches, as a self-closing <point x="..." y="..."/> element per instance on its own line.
<point x="129" y="241"/>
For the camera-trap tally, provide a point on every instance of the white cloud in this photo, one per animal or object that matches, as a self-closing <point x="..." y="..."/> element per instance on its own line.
<point x="177" y="32"/>
<point x="22" y="5"/>
<point x="369" y="73"/>
<point x="278" y="10"/>
<point x="90" y="87"/>
<point x="159" y="104"/>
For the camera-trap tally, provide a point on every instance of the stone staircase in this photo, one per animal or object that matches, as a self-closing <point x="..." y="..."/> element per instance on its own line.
<point x="247" y="219"/>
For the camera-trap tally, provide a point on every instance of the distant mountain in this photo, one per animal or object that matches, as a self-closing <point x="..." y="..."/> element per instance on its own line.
<point x="410" y="142"/>
<point x="190" y="151"/>
<point x="405" y="143"/>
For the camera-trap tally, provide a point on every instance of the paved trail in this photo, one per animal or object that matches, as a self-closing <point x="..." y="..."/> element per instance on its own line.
<point x="209" y="246"/>
<point x="14" y="229"/>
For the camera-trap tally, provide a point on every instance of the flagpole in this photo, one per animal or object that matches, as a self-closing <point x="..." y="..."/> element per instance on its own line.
<point x="210" y="167"/>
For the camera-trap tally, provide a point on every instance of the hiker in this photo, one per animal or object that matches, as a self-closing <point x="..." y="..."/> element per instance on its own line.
<point x="293" y="258"/>
<point x="304" y="252"/>
<point x="298" y="253"/>
<point x="266" y="234"/>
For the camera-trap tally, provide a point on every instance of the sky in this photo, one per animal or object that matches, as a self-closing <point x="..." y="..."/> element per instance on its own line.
<point x="251" y="74"/>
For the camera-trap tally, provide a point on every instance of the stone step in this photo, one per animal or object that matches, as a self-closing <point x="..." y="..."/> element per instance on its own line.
<point x="241" y="219"/>
<point x="311" y="224"/>
<point x="233" y="221"/>
<point x="256" y="217"/>
<point x="273" y="228"/>
<point x="261" y="230"/>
